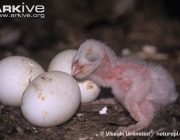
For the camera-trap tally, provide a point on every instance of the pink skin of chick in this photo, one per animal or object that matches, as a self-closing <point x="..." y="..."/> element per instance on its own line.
<point x="141" y="87"/>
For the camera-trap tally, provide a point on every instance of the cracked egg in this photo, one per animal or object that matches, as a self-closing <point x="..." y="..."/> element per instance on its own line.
<point x="16" y="72"/>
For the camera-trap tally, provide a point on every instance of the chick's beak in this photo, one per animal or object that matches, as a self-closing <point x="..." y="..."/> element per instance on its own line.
<point x="76" y="68"/>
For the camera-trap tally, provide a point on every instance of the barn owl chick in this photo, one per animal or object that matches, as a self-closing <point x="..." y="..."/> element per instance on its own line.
<point x="141" y="87"/>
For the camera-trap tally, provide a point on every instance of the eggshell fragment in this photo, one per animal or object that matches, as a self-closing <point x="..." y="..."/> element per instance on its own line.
<point x="15" y="74"/>
<point x="50" y="99"/>
<point x="62" y="62"/>
<point x="103" y="111"/>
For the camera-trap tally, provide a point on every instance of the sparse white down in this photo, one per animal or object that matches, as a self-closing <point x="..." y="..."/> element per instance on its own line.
<point x="140" y="86"/>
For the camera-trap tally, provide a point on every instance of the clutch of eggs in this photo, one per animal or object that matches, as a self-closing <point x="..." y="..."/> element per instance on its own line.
<point x="16" y="72"/>
<point x="62" y="62"/>
<point x="46" y="99"/>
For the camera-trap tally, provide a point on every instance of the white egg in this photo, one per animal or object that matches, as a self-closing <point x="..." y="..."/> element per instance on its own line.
<point x="50" y="99"/>
<point x="89" y="91"/>
<point x="62" y="62"/>
<point x="15" y="74"/>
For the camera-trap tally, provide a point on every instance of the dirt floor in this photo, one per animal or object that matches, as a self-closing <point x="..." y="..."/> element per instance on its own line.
<point x="149" y="29"/>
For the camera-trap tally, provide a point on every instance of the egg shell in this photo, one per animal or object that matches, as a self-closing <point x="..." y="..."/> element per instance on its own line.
<point x="50" y="99"/>
<point x="15" y="74"/>
<point x="62" y="62"/>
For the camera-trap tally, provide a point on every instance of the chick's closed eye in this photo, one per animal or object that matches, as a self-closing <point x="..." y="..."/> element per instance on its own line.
<point x="92" y="56"/>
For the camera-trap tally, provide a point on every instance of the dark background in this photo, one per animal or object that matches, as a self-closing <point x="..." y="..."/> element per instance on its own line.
<point x="119" y="23"/>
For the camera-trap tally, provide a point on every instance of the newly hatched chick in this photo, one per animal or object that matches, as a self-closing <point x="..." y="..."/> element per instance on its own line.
<point x="141" y="87"/>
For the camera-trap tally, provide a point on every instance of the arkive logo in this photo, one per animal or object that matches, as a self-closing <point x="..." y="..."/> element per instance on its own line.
<point x="22" y="11"/>
<point x="22" y="8"/>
